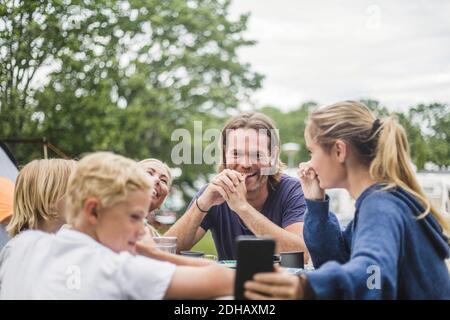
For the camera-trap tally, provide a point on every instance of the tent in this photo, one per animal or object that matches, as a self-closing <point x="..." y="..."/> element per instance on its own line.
<point x="8" y="175"/>
<point x="8" y="164"/>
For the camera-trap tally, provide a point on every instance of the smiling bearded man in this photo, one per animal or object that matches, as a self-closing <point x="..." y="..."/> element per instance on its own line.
<point x="249" y="196"/>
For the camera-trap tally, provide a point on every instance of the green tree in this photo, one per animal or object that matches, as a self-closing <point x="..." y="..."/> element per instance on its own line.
<point x="431" y="124"/>
<point x="374" y="105"/>
<point x="427" y="128"/>
<point x="119" y="75"/>
<point x="418" y="146"/>
<point x="292" y="127"/>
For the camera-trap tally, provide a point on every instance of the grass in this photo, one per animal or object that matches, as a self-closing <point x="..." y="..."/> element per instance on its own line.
<point x="206" y="245"/>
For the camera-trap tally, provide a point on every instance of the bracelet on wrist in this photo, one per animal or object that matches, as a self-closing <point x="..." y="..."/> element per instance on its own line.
<point x="198" y="207"/>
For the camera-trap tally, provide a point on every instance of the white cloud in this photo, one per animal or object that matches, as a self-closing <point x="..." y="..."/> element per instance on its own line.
<point x="395" y="51"/>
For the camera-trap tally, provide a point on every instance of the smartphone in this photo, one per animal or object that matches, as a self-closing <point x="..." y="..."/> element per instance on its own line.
<point x="254" y="255"/>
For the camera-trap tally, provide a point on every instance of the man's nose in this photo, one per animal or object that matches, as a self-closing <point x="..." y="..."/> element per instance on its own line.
<point x="246" y="162"/>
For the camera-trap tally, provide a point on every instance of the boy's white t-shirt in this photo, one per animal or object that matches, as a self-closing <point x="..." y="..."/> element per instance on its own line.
<point x="72" y="265"/>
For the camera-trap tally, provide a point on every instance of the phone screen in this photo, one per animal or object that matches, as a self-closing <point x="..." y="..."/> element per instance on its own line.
<point x="254" y="255"/>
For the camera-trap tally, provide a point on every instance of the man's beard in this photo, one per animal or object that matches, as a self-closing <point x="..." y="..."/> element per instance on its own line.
<point x="258" y="184"/>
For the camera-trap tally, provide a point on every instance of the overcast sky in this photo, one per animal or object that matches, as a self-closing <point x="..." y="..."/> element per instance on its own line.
<point x="328" y="50"/>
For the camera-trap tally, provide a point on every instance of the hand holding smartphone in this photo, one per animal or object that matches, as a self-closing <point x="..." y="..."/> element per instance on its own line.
<point x="254" y="255"/>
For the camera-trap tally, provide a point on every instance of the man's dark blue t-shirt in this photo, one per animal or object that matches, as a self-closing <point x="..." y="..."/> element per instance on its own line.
<point x="284" y="206"/>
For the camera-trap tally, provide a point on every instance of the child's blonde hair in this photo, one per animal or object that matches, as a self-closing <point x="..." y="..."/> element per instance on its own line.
<point x="39" y="186"/>
<point x="107" y="177"/>
<point x="380" y="144"/>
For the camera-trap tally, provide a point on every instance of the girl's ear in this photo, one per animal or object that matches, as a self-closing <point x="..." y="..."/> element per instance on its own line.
<point x="341" y="150"/>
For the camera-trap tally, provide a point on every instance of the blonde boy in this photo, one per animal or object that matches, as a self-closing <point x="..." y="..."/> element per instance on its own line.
<point x="107" y="201"/>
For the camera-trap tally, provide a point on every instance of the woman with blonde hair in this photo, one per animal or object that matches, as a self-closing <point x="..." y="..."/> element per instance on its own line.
<point x="162" y="181"/>
<point x="161" y="178"/>
<point x="397" y="243"/>
<point x="39" y="196"/>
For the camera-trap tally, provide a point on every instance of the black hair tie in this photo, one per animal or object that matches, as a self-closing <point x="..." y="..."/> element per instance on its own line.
<point x="376" y="124"/>
<point x="370" y="145"/>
